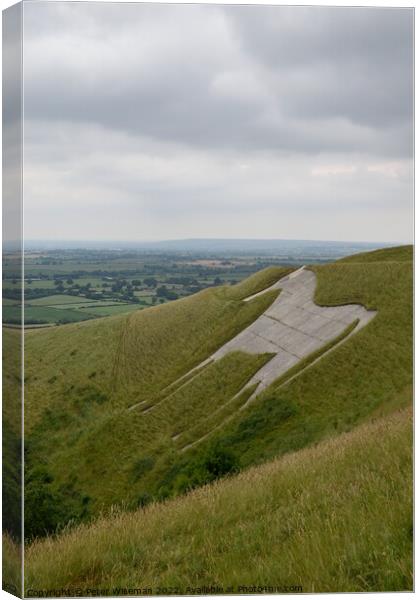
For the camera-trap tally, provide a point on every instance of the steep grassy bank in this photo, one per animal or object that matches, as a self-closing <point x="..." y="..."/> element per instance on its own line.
<point x="98" y="407"/>
<point x="334" y="517"/>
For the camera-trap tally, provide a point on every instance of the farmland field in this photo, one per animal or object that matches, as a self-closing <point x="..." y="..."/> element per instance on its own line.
<point x="105" y="310"/>
<point x="70" y="286"/>
<point x="118" y="281"/>
<point x="58" y="299"/>
<point x="42" y="314"/>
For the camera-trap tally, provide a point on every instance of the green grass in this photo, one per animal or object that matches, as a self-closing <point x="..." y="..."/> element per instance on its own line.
<point x="45" y="314"/>
<point x="64" y="309"/>
<point x="398" y="254"/>
<point x="125" y="361"/>
<point x="317" y="522"/>
<point x="82" y="305"/>
<point x="12" y="430"/>
<point x="115" y="309"/>
<point x="312" y="358"/>
<point x="219" y="420"/>
<point x="144" y="293"/>
<point x="370" y="373"/>
<point x="206" y="394"/>
<point x="9" y="302"/>
<point x="214" y="420"/>
<point x="333" y="518"/>
<point x="59" y="299"/>
<point x="44" y="284"/>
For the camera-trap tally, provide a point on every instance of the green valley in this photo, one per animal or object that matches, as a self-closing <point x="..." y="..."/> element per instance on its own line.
<point x="177" y="478"/>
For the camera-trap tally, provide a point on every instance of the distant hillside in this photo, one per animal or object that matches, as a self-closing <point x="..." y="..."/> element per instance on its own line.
<point x="399" y="254"/>
<point x="293" y="248"/>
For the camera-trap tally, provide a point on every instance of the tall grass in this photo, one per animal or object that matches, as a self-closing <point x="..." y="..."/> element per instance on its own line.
<point x="334" y="517"/>
<point x="11" y="565"/>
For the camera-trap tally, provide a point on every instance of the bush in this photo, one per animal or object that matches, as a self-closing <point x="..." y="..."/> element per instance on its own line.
<point x="49" y="508"/>
<point x="142" y="466"/>
<point x="219" y="461"/>
<point x="215" y="461"/>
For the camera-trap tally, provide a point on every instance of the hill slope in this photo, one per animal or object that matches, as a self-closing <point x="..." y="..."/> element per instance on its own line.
<point x="110" y="407"/>
<point x="369" y="374"/>
<point x="336" y="517"/>
<point x="82" y="379"/>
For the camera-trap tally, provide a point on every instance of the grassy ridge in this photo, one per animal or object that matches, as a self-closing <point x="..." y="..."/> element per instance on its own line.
<point x="397" y="254"/>
<point x="336" y="517"/>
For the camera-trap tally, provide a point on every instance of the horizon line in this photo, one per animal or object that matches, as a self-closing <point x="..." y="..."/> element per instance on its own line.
<point x="201" y="239"/>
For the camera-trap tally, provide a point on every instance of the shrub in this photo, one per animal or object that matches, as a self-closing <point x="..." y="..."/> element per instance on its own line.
<point x="49" y="508"/>
<point x="213" y="462"/>
<point x="142" y="466"/>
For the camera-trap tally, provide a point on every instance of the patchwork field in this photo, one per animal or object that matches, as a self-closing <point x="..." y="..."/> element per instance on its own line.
<point x="61" y="300"/>
<point x="110" y="282"/>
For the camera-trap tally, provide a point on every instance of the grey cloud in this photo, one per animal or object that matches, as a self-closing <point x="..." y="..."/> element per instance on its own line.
<point x="336" y="70"/>
<point x="144" y="189"/>
<point x="355" y="62"/>
<point x="217" y="121"/>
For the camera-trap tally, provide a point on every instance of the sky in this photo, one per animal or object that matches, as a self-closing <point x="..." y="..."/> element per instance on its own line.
<point x="148" y="122"/>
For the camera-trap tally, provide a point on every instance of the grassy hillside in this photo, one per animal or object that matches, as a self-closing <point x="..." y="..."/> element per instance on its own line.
<point x="370" y="374"/>
<point x="105" y="389"/>
<point x="110" y="408"/>
<point x="87" y="375"/>
<point x="11" y="458"/>
<point x="11" y="428"/>
<point x="133" y="357"/>
<point x="335" y="517"/>
<point x="397" y="254"/>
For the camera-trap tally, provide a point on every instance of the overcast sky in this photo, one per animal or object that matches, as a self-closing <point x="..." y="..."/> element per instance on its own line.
<point x="175" y="121"/>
